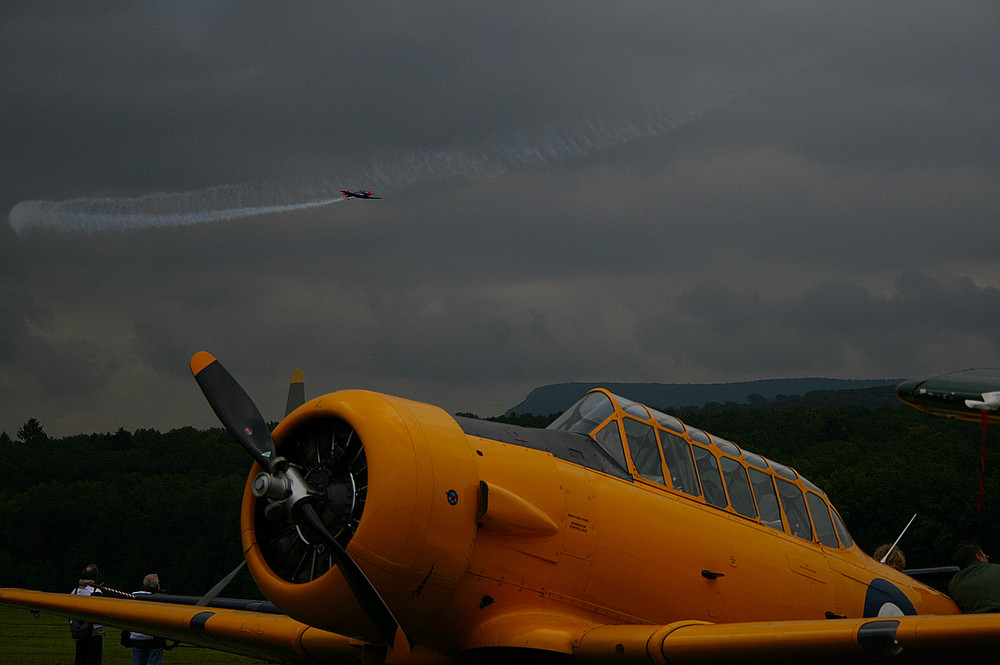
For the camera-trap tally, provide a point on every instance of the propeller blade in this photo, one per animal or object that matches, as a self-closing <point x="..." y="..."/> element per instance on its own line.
<point x="364" y="591"/>
<point x="235" y="409"/>
<point x="222" y="584"/>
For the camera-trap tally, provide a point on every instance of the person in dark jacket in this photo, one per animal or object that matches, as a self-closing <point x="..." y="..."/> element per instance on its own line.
<point x="975" y="588"/>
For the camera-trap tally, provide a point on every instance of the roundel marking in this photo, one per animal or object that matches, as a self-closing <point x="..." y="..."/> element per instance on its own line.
<point x="884" y="599"/>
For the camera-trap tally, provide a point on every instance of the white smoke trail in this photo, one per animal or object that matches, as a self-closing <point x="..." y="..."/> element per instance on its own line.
<point x="143" y="212"/>
<point x="572" y="138"/>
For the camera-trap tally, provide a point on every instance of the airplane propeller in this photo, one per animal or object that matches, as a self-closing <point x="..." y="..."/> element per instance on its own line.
<point x="282" y="483"/>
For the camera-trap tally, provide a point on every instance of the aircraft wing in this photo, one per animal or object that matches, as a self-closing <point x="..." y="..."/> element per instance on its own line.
<point x="929" y="639"/>
<point x="904" y="640"/>
<point x="965" y="394"/>
<point x="272" y="637"/>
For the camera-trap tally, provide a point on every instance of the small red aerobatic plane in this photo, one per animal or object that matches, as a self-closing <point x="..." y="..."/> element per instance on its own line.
<point x="361" y="194"/>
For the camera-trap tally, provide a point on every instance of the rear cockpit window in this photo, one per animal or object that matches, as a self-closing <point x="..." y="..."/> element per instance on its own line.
<point x="611" y="441"/>
<point x="677" y="452"/>
<point x="783" y="471"/>
<point x="668" y="422"/>
<point x="821" y="520"/>
<point x="711" y="482"/>
<point x="795" y="509"/>
<point x="755" y="460"/>
<point x="645" y="453"/>
<point x="633" y="408"/>
<point x="738" y="486"/>
<point x="585" y="415"/>
<point x="767" y="501"/>
<point x="727" y="447"/>
<point x="699" y="436"/>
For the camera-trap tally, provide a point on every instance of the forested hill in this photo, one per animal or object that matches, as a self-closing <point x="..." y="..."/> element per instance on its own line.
<point x="559" y="396"/>
<point x="145" y="501"/>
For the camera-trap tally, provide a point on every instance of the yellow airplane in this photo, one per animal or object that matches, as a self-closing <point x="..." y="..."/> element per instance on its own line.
<point x="388" y="531"/>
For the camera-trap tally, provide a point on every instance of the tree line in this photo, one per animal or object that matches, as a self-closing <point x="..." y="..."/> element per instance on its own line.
<point x="131" y="502"/>
<point x="144" y="501"/>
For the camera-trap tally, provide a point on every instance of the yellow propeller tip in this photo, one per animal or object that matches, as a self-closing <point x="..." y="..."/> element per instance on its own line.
<point x="200" y="361"/>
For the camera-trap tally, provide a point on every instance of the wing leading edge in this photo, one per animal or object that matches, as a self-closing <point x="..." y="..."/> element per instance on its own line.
<point x="910" y="639"/>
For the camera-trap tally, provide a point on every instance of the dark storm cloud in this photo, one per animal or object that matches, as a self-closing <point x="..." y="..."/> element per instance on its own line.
<point x="165" y="82"/>
<point x="832" y="323"/>
<point x="824" y="208"/>
<point x="16" y="314"/>
<point x="35" y="359"/>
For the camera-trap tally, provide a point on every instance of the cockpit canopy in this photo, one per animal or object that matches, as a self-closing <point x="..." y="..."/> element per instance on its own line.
<point x="660" y="449"/>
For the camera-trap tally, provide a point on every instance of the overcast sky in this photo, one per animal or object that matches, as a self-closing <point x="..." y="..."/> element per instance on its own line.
<point x="653" y="191"/>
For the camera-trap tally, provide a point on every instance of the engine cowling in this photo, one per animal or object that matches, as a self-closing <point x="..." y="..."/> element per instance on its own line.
<point x="395" y="481"/>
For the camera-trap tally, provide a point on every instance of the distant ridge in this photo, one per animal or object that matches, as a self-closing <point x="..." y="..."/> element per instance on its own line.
<point x="558" y="397"/>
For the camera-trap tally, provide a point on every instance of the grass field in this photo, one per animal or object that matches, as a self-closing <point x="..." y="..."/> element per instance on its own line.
<point x="25" y="640"/>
